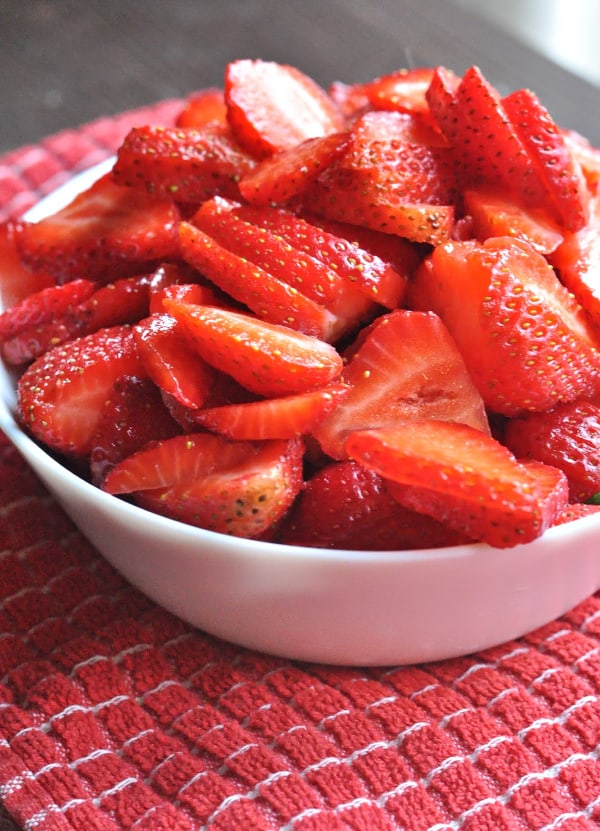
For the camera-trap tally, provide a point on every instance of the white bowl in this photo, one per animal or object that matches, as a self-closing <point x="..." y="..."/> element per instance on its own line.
<point x="339" y="607"/>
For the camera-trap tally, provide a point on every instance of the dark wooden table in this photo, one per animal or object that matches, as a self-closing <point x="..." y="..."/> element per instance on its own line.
<point x="64" y="62"/>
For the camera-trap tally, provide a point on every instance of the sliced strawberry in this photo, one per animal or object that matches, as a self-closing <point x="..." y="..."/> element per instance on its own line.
<point x="350" y="100"/>
<point x="272" y="106"/>
<point x="346" y="506"/>
<point x="463" y="478"/>
<point x="525" y="340"/>
<point x="16" y="281"/>
<point x="104" y="233"/>
<point x="265" y="294"/>
<point x="43" y="306"/>
<point x="273" y="418"/>
<point x="552" y="159"/>
<point x="577" y="511"/>
<point x="287" y="174"/>
<point x="267" y="359"/>
<point x="170" y="363"/>
<point x="577" y="261"/>
<point x="349" y="254"/>
<point x="586" y="156"/>
<point x="203" y="107"/>
<point x="403" y="90"/>
<point x="495" y="215"/>
<point x="406" y="367"/>
<point x="441" y="98"/>
<point x="182" y="163"/>
<point x="237" y="488"/>
<point x="568" y="438"/>
<point x="62" y="394"/>
<point x="133" y="415"/>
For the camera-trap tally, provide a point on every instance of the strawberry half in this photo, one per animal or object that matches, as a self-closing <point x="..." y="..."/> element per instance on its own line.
<point x="267" y="359"/>
<point x="272" y="106"/>
<point x="406" y="367"/>
<point x="16" y="281"/>
<point x="526" y="342"/>
<point x="104" y="233"/>
<point x="236" y="488"/>
<point x="205" y="106"/>
<point x="462" y="478"/>
<point x="62" y="394"/>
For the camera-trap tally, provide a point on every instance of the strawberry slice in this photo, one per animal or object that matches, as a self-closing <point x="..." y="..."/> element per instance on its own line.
<point x="441" y="98"/>
<point x="287" y="174"/>
<point x="236" y="488"/>
<point x="568" y="438"/>
<point x="16" y="281"/>
<point x="494" y="215"/>
<point x="133" y="415"/>
<point x="403" y="90"/>
<point x="106" y="232"/>
<point x="346" y="506"/>
<point x="579" y="510"/>
<point x="265" y="358"/>
<point x="269" y="297"/>
<point x="586" y="156"/>
<point x="405" y="367"/>
<point x="272" y="106"/>
<point x="43" y="306"/>
<point x="62" y="394"/>
<point x="552" y="159"/>
<point x="182" y="163"/>
<point x="273" y="418"/>
<point x="527" y="343"/>
<point x="205" y="106"/>
<point x="463" y="478"/>
<point x="169" y="362"/>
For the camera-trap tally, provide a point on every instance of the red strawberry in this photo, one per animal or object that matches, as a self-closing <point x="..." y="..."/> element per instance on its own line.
<point x="265" y="294"/>
<point x="170" y="363"/>
<point x="568" y="438"/>
<point x="237" y="488"/>
<point x="463" y="478"/>
<point x="586" y="156"/>
<point x="287" y="174"/>
<point x="577" y="511"/>
<point x="273" y="418"/>
<point x="526" y="342"/>
<point x="494" y="215"/>
<point x="203" y="107"/>
<point x="182" y="163"/>
<point x="267" y="359"/>
<point x="347" y="506"/>
<point x="272" y="106"/>
<point x="403" y="90"/>
<point x="16" y="281"/>
<point x="106" y="232"/>
<point x="551" y="156"/>
<point x="62" y="394"/>
<point x="441" y="98"/>
<point x="350" y="100"/>
<point x="577" y="261"/>
<point x="133" y="415"/>
<point x="406" y="367"/>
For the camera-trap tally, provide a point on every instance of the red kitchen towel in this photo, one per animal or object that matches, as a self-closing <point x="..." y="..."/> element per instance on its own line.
<point x="116" y="715"/>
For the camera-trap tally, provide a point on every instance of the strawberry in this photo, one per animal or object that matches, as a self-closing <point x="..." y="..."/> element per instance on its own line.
<point x="350" y="264"/>
<point x="579" y="510"/>
<point x="265" y="294"/>
<point x="463" y="478"/>
<point x="403" y="90"/>
<point x="273" y="418"/>
<point x="272" y="106"/>
<point x="237" y="488"/>
<point x="62" y="394"/>
<point x="287" y="174"/>
<point x="566" y="437"/>
<point x="350" y="100"/>
<point x="552" y="159"/>
<point x="265" y="358"/>
<point x="169" y="362"/>
<point x="586" y="156"/>
<point x="106" y="232"/>
<point x="203" y="107"/>
<point x="181" y="163"/>
<point x="16" y="281"/>
<point x="494" y="215"/>
<point x="441" y="99"/>
<point x="133" y="415"/>
<point x="406" y="367"/>
<point x="347" y="506"/>
<point x="577" y="261"/>
<point x="526" y="342"/>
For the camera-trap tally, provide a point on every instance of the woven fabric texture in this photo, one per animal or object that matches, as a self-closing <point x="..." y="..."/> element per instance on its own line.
<point x="115" y="715"/>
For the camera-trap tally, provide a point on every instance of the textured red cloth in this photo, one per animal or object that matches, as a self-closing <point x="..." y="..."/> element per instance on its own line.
<point x="116" y="715"/>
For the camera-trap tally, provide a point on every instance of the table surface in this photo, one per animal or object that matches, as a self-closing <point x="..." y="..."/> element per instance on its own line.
<point x="63" y="63"/>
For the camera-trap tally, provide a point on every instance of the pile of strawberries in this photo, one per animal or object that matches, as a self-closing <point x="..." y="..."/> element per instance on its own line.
<point x="365" y="318"/>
